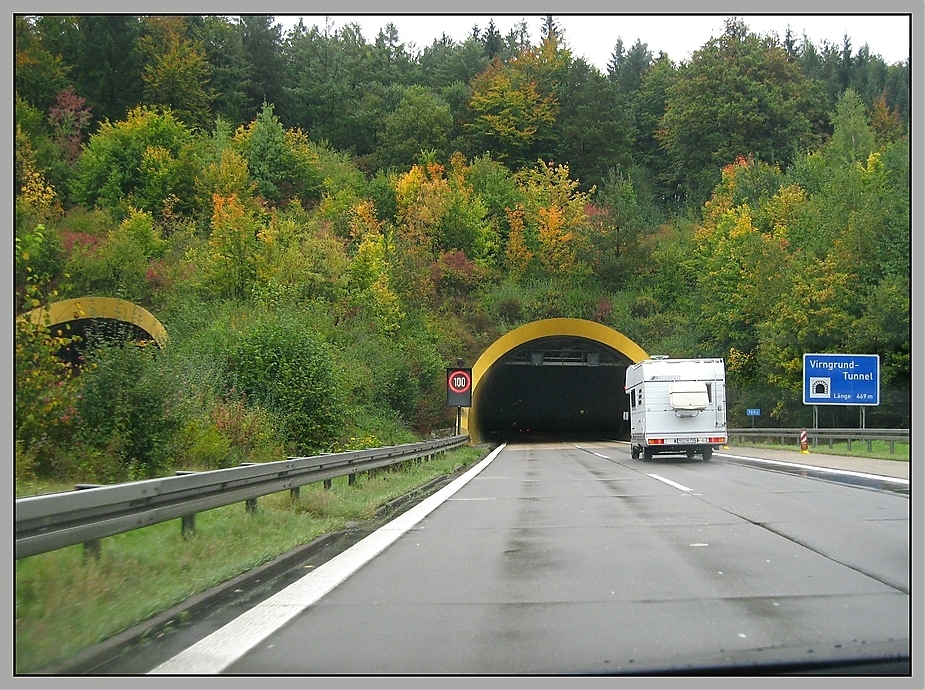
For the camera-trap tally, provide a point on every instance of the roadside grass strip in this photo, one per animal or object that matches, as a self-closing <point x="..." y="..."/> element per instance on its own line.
<point x="815" y="469"/>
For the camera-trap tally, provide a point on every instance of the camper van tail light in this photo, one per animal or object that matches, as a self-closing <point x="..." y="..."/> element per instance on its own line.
<point x="717" y="439"/>
<point x="656" y="441"/>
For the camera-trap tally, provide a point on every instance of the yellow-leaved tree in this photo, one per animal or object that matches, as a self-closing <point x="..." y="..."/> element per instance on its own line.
<point x="552" y="225"/>
<point x="233" y="246"/>
<point x="370" y="284"/>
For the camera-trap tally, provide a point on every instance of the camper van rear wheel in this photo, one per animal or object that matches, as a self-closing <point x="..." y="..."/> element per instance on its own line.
<point x="707" y="452"/>
<point x="634" y="452"/>
<point x="646" y="453"/>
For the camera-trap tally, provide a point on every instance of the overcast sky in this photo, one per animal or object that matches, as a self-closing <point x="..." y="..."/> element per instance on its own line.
<point x="594" y="36"/>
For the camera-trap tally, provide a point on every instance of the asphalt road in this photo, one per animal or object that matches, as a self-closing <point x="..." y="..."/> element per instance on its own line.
<point x="576" y="559"/>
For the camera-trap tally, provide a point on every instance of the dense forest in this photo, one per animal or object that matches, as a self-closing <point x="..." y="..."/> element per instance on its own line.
<point x="323" y="223"/>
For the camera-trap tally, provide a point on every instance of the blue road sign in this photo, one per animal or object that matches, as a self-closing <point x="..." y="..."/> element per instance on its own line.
<point x="752" y="412"/>
<point x="830" y="379"/>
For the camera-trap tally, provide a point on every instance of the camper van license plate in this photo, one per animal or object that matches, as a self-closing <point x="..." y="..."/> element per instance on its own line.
<point x="690" y="440"/>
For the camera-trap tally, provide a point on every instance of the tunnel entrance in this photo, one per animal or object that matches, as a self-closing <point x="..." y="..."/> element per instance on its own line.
<point x="559" y="387"/>
<point x="92" y="332"/>
<point x="94" y="319"/>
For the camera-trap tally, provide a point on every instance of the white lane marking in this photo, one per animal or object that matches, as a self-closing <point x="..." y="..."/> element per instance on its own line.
<point x="592" y="452"/>
<point x="226" y="645"/>
<point x="816" y="468"/>
<point x="668" y="481"/>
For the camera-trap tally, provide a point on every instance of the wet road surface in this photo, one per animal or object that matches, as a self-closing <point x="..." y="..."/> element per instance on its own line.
<point x="574" y="558"/>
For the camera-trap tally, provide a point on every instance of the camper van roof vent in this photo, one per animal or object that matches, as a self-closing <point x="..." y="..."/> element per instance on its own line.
<point x="659" y="357"/>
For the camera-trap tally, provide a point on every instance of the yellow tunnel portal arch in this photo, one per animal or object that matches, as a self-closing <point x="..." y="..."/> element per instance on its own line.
<point x="536" y="330"/>
<point x="87" y="308"/>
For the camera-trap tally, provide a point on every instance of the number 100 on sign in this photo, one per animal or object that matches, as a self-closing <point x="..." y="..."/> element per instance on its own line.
<point x="459" y="387"/>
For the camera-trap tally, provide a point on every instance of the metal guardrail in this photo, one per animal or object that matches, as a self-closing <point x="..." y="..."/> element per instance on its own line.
<point x="89" y="513"/>
<point x="867" y="436"/>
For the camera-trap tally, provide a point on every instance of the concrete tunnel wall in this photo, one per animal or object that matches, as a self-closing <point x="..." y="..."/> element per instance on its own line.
<point x="536" y="330"/>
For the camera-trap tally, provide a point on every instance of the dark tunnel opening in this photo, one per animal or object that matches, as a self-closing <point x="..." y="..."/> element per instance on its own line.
<point x="91" y="332"/>
<point x="556" y="388"/>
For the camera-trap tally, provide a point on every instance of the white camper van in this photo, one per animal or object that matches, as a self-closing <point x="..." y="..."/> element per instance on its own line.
<point x="677" y="406"/>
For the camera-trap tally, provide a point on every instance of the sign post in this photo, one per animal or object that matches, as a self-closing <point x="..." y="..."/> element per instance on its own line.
<point x="752" y="412"/>
<point x="459" y="390"/>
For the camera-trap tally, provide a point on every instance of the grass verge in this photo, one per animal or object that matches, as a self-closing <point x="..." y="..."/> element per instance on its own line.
<point x="66" y="603"/>
<point x="878" y="449"/>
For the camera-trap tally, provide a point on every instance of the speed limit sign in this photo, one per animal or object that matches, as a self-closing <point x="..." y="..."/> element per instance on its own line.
<point x="459" y="387"/>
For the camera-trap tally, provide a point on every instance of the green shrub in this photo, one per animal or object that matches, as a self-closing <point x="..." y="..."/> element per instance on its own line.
<point x="39" y="257"/>
<point x="206" y="449"/>
<point x="45" y="390"/>
<point x="277" y="363"/>
<point x="129" y="407"/>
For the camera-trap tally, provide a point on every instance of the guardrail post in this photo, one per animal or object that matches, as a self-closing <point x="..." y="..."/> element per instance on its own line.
<point x="187" y="522"/>
<point x="250" y="505"/>
<point x="294" y="492"/>
<point x="327" y="483"/>
<point x="188" y="526"/>
<point x="351" y="479"/>
<point x="92" y="548"/>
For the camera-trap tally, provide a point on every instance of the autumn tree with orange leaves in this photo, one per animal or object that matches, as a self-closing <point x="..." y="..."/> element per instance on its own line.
<point x="233" y="246"/>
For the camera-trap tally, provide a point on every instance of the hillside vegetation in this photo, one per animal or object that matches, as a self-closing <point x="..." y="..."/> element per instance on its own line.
<point x="323" y="224"/>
